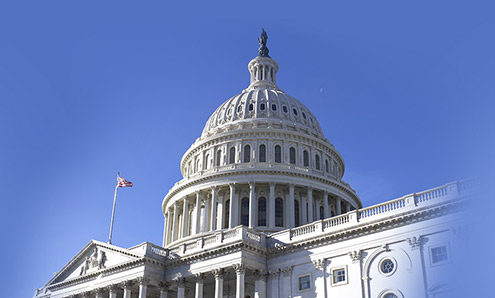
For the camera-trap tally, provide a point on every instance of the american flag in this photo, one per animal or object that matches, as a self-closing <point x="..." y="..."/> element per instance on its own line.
<point x="121" y="182"/>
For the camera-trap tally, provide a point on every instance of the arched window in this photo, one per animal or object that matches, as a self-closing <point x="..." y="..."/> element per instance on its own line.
<point x="198" y="165"/>
<point x="232" y="155"/>
<point x="245" y="212"/>
<point x="247" y="153"/>
<point x="305" y="158"/>
<point x="279" y="212"/>
<point x="262" y="153"/>
<point x="322" y="212"/>
<point x="227" y="214"/>
<point x="278" y="154"/>
<point x="262" y="211"/>
<point x="317" y="161"/>
<point x="296" y="213"/>
<point x="207" y="161"/>
<point x="292" y="155"/>
<point x="327" y="169"/>
<point x="219" y="157"/>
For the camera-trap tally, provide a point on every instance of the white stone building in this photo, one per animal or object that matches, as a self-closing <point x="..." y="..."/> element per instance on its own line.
<point x="262" y="211"/>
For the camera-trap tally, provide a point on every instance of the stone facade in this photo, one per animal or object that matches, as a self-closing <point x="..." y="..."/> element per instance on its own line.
<point x="262" y="211"/>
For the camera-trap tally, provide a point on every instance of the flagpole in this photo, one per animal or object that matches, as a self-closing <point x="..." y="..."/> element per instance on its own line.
<point x="113" y="210"/>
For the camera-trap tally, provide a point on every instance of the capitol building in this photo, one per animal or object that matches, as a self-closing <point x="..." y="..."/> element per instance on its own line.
<point x="263" y="211"/>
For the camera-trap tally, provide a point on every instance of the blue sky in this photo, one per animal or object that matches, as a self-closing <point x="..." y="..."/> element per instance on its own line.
<point x="404" y="91"/>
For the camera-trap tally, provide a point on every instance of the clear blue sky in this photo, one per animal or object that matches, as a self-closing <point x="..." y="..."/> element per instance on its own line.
<point x="403" y="89"/>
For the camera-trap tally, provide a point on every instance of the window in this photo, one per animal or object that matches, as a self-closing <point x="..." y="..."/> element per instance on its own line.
<point x="304" y="115"/>
<point x="296" y="213"/>
<point x="262" y="106"/>
<point x="274" y="107"/>
<point x="439" y="254"/>
<point x="278" y="154"/>
<point x="294" y="111"/>
<point x="327" y="169"/>
<point x="322" y="212"/>
<point x="219" y="157"/>
<point x="251" y="107"/>
<point x="390" y="295"/>
<point x="262" y="211"/>
<point x="232" y="155"/>
<point x="229" y="111"/>
<point x="387" y="266"/>
<point x="262" y="153"/>
<point x="239" y="109"/>
<point x="227" y="214"/>
<point x="304" y="282"/>
<point x="245" y="212"/>
<point x="292" y="155"/>
<point x="317" y="162"/>
<point x="207" y="161"/>
<point x="285" y="109"/>
<point x="338" y="276"/>
<point x="279" y="212"/>
<point x="247" y="153"/>
<point x="305" y="158"/>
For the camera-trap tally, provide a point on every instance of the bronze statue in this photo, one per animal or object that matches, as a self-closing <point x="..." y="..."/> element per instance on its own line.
<point x="263" y="50"/>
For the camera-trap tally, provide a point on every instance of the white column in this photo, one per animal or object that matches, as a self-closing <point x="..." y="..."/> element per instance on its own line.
<point x="260" y="284"/>
<point x="143" y="286"/>
<point x="326" y="210"/>
<point x="218" y="274"/>
<point x="166" y="218"/>
<point x="197" y="213"/>
<point x="199" y="285"/>
<point x="206" y="218"/>
<point x="271" y="206"/>
<point x="273" y="283"/>
<point x="347" y="207"/>
<point x="310" y="205"/>
<point x="213" y="217"/>
<point x="233" y="205"/>
<point x="175" y="223"/>
<point x="317" y="209"/>
<point x="252" y="212"/>
<point x="290" y="210"/>
<point x="338" y="207"/>
<point x="181" y="287"/>
<point x="112" y="291"/>
<point x="99" y="293"/>
<point x="220" y="213"/>
<point x="185" y="215"/>
<point x="319" y="277"/>
<point x="163" y="289"/>
<point x="240" y="271"/>
<point x="127" y="288"/>
<point x="304" y="217"/>
<point x="286" y="287"/>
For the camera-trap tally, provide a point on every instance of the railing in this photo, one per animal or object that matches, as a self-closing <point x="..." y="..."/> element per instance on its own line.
<point x="159" y="251"/>
<point x="382" y="208"/>
<point x="335" y="221"/>
<point x="431" y="194"/>
<point x="299" y="231"/>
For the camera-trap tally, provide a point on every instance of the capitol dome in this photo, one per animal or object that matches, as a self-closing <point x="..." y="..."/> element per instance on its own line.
<point x="262" y="161"/>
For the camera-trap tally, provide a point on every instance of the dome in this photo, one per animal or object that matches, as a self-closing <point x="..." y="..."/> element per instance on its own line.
<point x="263" y="102"/>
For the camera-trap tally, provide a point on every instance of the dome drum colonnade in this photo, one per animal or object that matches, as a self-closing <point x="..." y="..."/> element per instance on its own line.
<point x="262" y="161"/>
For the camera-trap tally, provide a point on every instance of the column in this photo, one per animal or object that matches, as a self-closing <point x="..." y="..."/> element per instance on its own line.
<point x="98" y="293"/>
<point x="175" y="223"/>
<point x="310" y="205"/>
<point x="347" y="207"/>
<point x="252" y="212"/>
<point x="233" y="205"/>
<point x="127" y="288"/>
<point x="181" y="287"/>
<point x="240" y="271"/>
<point x="143" y="286"/>
<point x="112" y="291"/>
<point x="218" y="274"/>
<point x="286" y="286"/>
<point x="199" y="285"/>
<point x="338" y="207"/>
<point x="166" y="226"/>
<point x="319" y="277"/>
<point x="271" y="206"/>
<point x="273" y="283"/>
<point x="260" y="284"/>
<point x="185" y="215"/>
<point x="326" y="210"/>
<point x="206" y="219"/>
<point x="290" y="209"/>
<point x="197" y="213"/>
<point x="163" y="289"/>
<point x="220" y="214"/>
<point x="213" y="217"/>
<point x="317" y="209"/>
<point x="304" y="203"/>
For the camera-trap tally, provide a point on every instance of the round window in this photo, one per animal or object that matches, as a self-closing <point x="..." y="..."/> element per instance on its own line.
<point x="262" y="106"/>
<point x="390" y="295"/>
<point x="285" y="109"/>
<point x="387" y="266"/>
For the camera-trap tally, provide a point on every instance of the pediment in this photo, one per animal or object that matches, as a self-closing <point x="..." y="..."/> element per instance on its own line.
<point x="96" y="256"/>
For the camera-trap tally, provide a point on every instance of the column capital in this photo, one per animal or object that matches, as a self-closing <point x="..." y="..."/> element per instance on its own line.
<point x="198" y="192"/>
<point x="199" y="277"/>
<point x="414" y="242"/>
<point x="239" y="268"/>
<point x="310" y="188"/>
<point x="325" y="193"/>
<point x="232" y="185"/>
<point x="163" y="285"/>
<point x="286" y="271"/>
<point x="260" y="275"/>
<point x="355" y="255"/>
<point x="272" y="184"/>
<point x="251" y="184"/>
<point x="292" y="185"/>
<point x="274" y="273"/>
<point x="143" y="280"/>
<point x="180" y="281"/>
<point x="214" y="188"/>
<point x="112" y="289"/>
<point x="319" y="263"/>
<point x="127" y="284"/>
<point x="217" y="273"/>
<point x="97" y="291"/>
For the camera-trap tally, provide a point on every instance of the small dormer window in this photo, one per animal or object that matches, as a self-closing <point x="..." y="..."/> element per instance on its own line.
<point x="294" y="111"/>
<point x="262" y="106"/>
<point x="229" y="112"/>
<point x="285" y="109"/>
<point x="251" y="107"/>
<point x="304" y="115"/>
<point x="274" y="107"/>
<point x="239" y="109"/>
